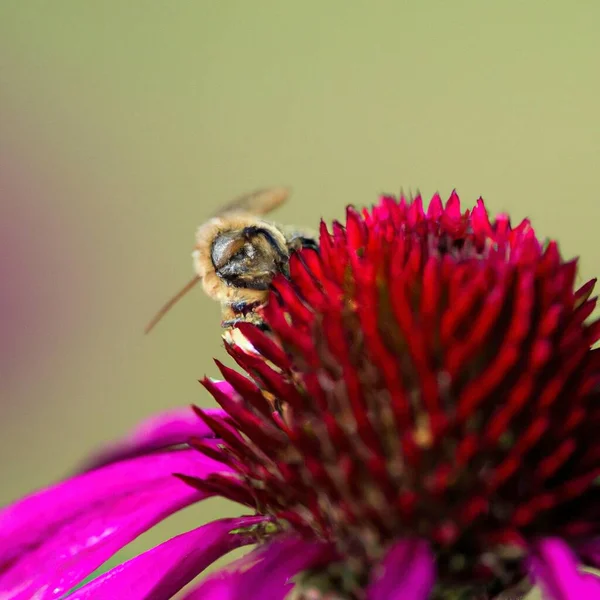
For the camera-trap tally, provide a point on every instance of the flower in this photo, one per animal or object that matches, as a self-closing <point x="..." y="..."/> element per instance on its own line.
<point x="419" y="421"/>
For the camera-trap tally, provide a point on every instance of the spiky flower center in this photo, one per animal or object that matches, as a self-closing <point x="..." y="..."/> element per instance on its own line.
<point x="434" y="379"/>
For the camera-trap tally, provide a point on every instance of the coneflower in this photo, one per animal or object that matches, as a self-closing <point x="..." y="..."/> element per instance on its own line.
<point x="420" y="420"/>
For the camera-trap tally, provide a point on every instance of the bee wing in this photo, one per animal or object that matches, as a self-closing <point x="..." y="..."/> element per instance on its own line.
<point x="259" y="202"/>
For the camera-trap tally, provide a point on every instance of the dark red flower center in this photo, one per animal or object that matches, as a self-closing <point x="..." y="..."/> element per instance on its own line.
<point x="434" y="377"/>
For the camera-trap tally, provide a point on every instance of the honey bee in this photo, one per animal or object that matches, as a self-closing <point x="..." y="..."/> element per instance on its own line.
<point x="237" y="255"/>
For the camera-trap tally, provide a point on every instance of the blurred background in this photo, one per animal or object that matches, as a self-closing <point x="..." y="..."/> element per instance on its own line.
<point x="123" y="125"/>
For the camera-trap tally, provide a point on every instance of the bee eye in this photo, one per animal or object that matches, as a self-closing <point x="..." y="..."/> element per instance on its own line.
<point x="226" y="247"/>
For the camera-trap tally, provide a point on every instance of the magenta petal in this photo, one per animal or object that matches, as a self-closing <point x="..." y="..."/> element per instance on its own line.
<point x="554" y="568"/>
<point x="270" y="578"/>
<point x="164" y="570"/>
<point x="407" y="573"/>
<point x="169" y="428"/>
<point x="52" y="539"/>
<point x="217" y="587"/>
<point x="223" y="584"/>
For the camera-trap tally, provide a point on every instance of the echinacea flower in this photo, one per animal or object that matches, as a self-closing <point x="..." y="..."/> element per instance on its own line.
<point x="421" y="420"/>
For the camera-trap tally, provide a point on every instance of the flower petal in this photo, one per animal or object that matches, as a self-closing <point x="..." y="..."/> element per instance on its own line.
<point x="554" y="568"/>
<point x="223" y="584"/>
<point x="54" y="538"/>
<point x="169" y="428"/>
<point x="164" y="570"/>
<point x="408" y="573"/>
<point x="217" y="587"/>
<point x="269" y="578"/>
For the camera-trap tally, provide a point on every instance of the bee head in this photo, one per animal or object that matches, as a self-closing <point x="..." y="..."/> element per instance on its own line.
<point x="249" y="257"/>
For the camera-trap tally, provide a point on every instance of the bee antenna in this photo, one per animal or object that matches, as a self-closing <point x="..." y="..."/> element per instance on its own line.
<point x="171" y="302"/>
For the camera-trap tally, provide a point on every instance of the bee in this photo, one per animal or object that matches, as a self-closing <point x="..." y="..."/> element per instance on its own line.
<point x="237" y="255"/>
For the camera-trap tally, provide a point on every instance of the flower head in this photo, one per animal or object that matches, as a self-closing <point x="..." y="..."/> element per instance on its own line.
<point x="419" y="421"/>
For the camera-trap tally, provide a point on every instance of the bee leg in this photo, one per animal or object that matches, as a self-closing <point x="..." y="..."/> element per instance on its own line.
<point x="232" y="323"/>
<point x="230" y="316"/>
<point x="242" y="312"/>
<point x="253" y="319"/>
<point x="239" y="308"/>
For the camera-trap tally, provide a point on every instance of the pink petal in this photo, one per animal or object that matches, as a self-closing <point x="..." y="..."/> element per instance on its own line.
<point x="554" y="568"/>
<point x="269" y="579"/>
<point x="223" y="584"/>
<point x="54" y="538"/>
<point x="217" y="587"/>
<point x="170" y="428"/>
<point x="164" y="570"/>
<point x="408" y="573"/>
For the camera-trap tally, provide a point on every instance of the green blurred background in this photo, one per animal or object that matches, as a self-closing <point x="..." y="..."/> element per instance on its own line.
<point x="124" y="124"/>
